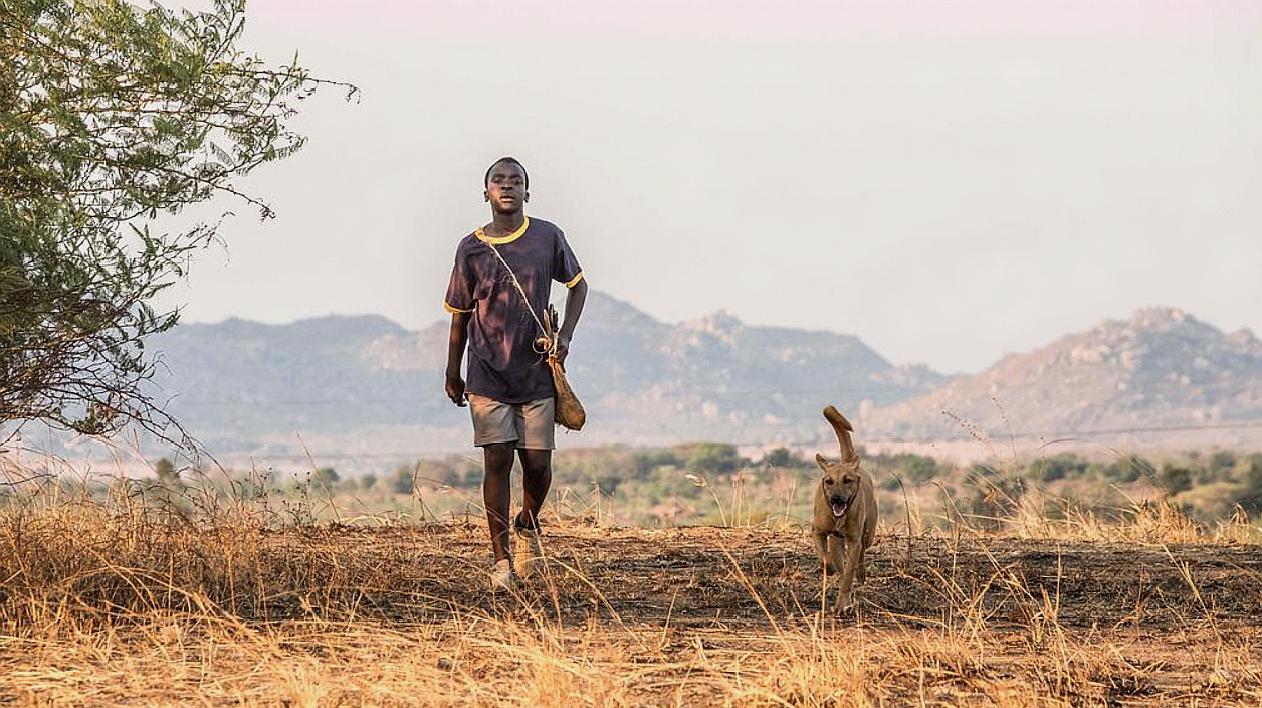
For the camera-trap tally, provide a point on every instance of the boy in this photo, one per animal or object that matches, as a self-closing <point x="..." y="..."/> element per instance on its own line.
<point x="509" y="390"/>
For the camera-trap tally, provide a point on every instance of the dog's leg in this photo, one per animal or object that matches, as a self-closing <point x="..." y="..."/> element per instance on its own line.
<point x="861" y="574"/>
<point x="836" y="562"/>
<point x="854" y="559"/>
<point x="821" y="549"/>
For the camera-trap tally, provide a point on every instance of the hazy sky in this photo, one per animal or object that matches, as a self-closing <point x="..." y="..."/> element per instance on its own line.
<point x="948" y="181"/>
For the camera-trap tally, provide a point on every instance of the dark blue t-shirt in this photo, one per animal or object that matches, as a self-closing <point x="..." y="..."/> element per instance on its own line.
<point x="502" y="362"/>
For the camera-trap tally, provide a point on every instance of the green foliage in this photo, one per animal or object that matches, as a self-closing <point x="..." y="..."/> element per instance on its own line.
<point x="1222" y="461"/>
<point x="646" y="461"/>
<point x="783" y="457"/>
<point x="402" y="482"/>
<point x="166" y="472"/>
<point x="1175" y="478"/>
<point x="1251" y="482"/>
<point x="713" y="458"/>
<point x="910" y="468"/>
<point x="111" y="116"/>
<point x="1062" y="466"/>
<point x="916" y="469"/>
<point x="368" y="481"/>
<point x="326" y="477"/>
<point x="1128" y="469"/>
<point x="448" y="471"/>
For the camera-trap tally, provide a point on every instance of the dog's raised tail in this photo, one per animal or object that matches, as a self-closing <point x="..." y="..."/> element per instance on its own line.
<point x="843" y="429"/>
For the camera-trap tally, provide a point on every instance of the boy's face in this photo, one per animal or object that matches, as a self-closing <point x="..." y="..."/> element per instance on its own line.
<point x="506" y="188"/>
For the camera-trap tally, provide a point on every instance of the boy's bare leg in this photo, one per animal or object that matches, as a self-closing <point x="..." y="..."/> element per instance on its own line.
<point x="536" y="466"/>
<point x="496" y="494"/>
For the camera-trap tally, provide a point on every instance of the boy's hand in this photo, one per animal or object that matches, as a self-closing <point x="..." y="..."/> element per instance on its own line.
<point x="563" y="349"/>
<point x="455" y="390"/>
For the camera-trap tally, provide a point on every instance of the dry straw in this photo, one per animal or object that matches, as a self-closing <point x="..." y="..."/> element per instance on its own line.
<point x="149" y="595"/>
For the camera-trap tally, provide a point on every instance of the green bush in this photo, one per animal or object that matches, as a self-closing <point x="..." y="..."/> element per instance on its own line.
<point x="167" y="474"/>
<point x="1251" y="482"/>
<point x="916" y="468"/>
<point x="783" y="457"/>
<point x="1062" y="466"/>
<point x="714" y="458"/>
<point x="402" y="482"/>
<point x="1175" y="478"/>
<point x="1127" y="468"/>
<point x="326" y="477"/>
<point x="648" y="460"/>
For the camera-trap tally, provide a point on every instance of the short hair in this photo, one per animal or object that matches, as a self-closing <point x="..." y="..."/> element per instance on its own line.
<point x="511" y="160"/>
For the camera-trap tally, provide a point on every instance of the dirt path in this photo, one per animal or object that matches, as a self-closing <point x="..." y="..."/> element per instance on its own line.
<point x="707" y="575"/>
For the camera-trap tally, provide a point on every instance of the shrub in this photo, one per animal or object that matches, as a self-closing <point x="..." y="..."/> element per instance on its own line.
<point x="167" y="474"/>
<point x="402" y="482"/>
<point x="1127" y="468"/>
<point x="1175" y="478"/>
<point x="1251" y="493"/>
<point x="714" y="458"/>
<point x="783" y="457"/>
<point x="1062" y="466"/>
<point x="326" y="477"/>
<point x="916" y="468"/>
<point x="1222" y="461"/>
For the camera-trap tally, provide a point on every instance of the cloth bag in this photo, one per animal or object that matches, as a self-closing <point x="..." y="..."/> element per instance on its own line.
<point x="569" y="410"/>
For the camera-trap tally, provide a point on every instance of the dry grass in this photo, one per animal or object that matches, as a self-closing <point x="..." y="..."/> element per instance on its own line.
<point x="131" y="601"/>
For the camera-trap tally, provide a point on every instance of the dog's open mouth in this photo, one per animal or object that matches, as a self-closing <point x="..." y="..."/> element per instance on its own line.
<point x="839" y="508"/>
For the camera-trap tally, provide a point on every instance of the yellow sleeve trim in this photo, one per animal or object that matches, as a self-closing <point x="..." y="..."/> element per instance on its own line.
<point x="576" y="280"/>
<point x="454" y="310"/>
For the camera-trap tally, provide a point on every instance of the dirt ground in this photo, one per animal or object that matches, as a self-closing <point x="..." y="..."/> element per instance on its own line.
<point x="1167" y="613"/>
<point x="703" y="576"/>
<point x="400" y="615"/>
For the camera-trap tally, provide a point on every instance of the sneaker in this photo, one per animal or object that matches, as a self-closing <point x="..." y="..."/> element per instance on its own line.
<point x="502" y="576"/>
<point x="527" y="551"/>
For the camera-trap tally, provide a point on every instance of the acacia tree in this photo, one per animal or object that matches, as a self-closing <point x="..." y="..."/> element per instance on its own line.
<point x="112" y="116"/>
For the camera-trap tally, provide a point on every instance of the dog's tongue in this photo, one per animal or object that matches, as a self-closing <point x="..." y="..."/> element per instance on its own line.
<point x="839" y="510"/>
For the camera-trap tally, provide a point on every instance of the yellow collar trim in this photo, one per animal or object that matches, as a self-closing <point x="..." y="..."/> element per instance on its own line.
<point x="499" y="240"/>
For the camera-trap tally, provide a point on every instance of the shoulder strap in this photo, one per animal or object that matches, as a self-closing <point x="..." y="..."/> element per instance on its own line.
<point x="547" y="331"/>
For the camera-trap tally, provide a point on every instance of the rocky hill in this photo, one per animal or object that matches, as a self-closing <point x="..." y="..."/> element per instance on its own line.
<point x="364" y="384"/>
<point x="1160" y="368"/>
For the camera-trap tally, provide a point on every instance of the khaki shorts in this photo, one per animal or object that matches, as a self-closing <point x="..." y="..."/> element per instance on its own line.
<point x="531" y="425"/>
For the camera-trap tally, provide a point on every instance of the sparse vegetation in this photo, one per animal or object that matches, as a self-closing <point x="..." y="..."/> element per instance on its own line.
<point x="114" y="594"/>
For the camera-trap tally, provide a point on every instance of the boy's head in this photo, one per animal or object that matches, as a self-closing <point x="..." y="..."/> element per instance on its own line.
<point x="506" y="185"/>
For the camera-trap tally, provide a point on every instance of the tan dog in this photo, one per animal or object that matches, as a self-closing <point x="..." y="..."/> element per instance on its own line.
<point x="845" y="511"/>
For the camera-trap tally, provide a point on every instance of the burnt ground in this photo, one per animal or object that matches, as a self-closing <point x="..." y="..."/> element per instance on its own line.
<point x="704" y="616"/>
<point x="705" y="576"/>
<point x="1174" y="624"/>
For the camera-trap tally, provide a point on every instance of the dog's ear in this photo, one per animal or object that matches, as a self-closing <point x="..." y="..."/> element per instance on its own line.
<point x="821" y="461"/>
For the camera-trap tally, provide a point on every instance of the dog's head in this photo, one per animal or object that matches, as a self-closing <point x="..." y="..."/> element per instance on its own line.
<point x="840" y="483"/>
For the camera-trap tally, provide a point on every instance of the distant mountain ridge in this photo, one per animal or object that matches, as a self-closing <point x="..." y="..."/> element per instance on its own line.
<point x="364" y="384"/>
<point x="1162" y="367"/>
<point x="244" y="386"/>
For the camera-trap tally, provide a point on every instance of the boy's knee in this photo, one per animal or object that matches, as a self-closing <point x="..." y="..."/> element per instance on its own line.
<point x="498" y="457"/>
<point x="534" y="462"/>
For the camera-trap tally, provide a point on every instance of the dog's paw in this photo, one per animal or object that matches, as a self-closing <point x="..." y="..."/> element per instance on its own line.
<point x="845" y="602"/>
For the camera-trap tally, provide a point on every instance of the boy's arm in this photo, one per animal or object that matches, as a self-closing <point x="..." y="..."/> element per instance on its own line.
<point x="456" y="341"/>
<point x="574" y="301"/>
